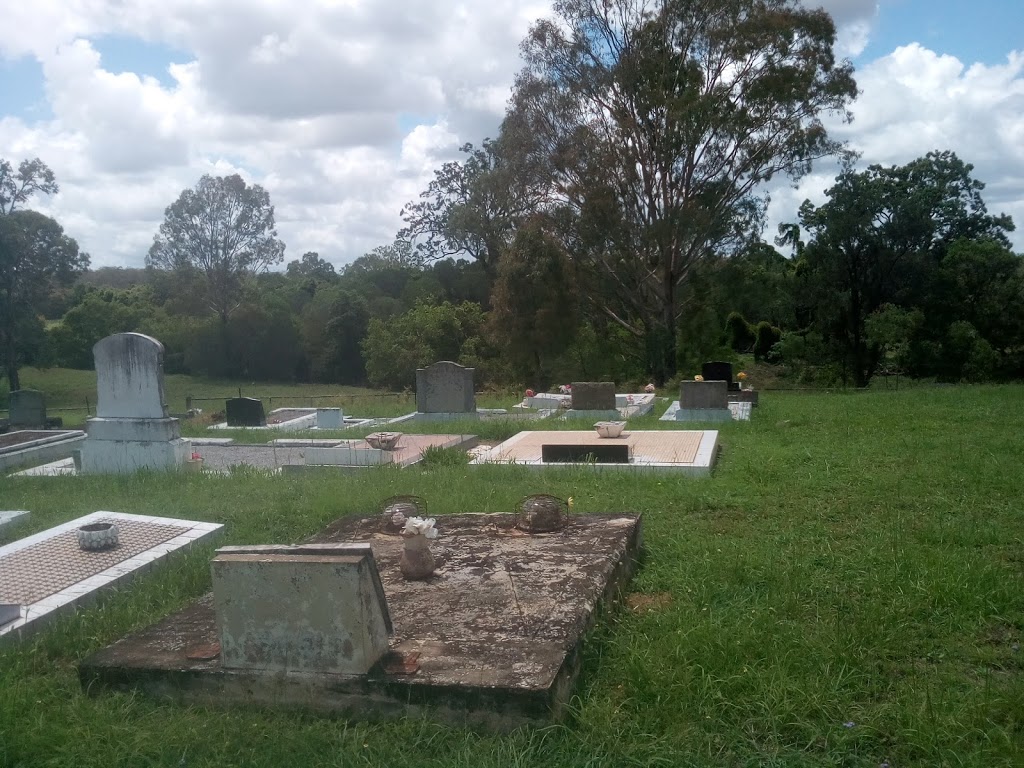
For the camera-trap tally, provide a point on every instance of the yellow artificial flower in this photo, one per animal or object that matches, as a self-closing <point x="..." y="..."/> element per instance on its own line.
<point x="698" y="377"/>
<point x="741" y="376"/>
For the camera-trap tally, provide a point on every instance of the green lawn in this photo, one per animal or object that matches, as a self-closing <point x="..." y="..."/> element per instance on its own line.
<point x="846" y="589"/>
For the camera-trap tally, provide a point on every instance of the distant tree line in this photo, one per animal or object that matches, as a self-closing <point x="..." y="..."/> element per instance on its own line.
<point x="612" y="230"/>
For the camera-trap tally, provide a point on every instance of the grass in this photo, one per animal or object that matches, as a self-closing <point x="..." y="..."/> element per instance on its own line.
<point x="846" y="589"/>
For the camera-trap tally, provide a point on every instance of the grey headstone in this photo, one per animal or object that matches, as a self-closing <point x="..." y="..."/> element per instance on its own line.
<point x="314" y="608"/>
<point x="28" y="409"/>
<point x="593" y="396"/>
<point x="445" y="387"/>
<point x="129" y="377"/>
<point x="245" y="412"/>
<point x="719" y="371"/>
<point x="330" y="418"/>
<point x="702" y="395"/>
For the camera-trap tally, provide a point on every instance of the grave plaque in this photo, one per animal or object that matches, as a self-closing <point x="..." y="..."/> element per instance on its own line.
<point x="593" y="396"/>
<point x="315" y="608"/>
<point x="245" y="412"/>
<point x="703" y="395"/>
<point x="28" y="409"/>
<point x="719" y="371"/>
<point x="604" y="453"/>
<point x="445" y="387"/>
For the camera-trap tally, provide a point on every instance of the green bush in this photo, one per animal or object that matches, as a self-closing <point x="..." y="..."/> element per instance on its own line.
<point x="740" y="334"/>
<point x="767" y="336"/>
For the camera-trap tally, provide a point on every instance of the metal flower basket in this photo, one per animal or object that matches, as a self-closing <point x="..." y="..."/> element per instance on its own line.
<point x="542" y="513"/>
<point x="395" y="510"/>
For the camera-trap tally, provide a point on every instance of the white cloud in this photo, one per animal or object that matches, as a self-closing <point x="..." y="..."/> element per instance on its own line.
<point x="343" y="109"/>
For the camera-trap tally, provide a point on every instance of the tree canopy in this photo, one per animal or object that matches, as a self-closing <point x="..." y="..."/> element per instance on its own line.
<point x="224" y="230"/>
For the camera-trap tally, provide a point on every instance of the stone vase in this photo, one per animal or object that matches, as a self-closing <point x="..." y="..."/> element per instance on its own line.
<point x="96" y="537"/>
<point x="417" y="560"/>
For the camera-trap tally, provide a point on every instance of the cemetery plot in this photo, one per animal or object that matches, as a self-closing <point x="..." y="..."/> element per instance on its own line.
<point x="692" y="452"/>
<point x="738" y="411"/>
<point x="493" y="638"/>
<point x="33" y="447"/>
<point x="49" y="573"/>
<point x="297" y="420"/>
<point x="628" y="405"/>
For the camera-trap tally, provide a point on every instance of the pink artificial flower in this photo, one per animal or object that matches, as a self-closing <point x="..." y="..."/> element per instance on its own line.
<point x="530" y="393"/>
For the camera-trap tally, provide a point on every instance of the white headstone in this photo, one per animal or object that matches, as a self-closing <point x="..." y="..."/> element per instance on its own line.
<point x="130" y="377"/>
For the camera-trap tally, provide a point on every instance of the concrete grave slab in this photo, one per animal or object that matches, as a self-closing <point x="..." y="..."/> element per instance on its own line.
<point x="738" y="411"/>
<point x="10" y="518"/>
<point x="690" y="452"/>
<point x="47" y="574"/>
<point x="26" y="448"/>
<point x="493" y="639"/>
<point x="296" y="420"/>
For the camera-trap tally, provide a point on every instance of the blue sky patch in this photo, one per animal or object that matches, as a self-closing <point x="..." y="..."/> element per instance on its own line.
<point x="22" y="90"/>
<point x="130" y="54"/>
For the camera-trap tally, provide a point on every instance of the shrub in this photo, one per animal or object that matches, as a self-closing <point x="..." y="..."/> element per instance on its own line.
<point x="739" y="332"/>
<point x="767" y="336"/>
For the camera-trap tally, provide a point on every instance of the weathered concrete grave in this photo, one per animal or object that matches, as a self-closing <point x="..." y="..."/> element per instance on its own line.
<point x="493" y="638"/>
<point x="10" y="518"/>
<point x="27" y="409"/>
<point x="445" y="389"/>
<point x="690" y="452"/>
<point x="245" y="412"/>
<point x="317" y="608"/>
<point x="26" y="447"/>
<point x="131" y="429"/>
<point x="48" y="574"/>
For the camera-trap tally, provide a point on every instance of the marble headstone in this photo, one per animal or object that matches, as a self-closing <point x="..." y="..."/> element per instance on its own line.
<point x="131" y="429"/>
<point x="445" y="387"/>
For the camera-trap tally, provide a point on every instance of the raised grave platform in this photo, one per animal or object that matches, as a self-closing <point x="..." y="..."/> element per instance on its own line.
<point x="27" y="448"/>
<point x="296" y="420"/>
<point x="10" y="518"/>
<point x="628" y="405"/>
<point x="47" y="574"/>
<point x="691" y="452"/>
<point x="494" y="638"/>
<point x="738" y="411"/>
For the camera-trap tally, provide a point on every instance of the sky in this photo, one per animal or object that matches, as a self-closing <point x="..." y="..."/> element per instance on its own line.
<point x="343" y="109"/>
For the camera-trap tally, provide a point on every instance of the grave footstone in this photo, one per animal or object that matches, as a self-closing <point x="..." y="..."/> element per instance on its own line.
<point x="245" y="412"/>
<point x="28" y="409"/>
<point x="131" y="429"/>
<point x="445" y="388"/>
<point x="719" y="371"/>
<point x="314" y="608"/>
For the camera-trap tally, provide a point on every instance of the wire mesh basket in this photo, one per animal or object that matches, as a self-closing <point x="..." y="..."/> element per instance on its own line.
<point x="395" y="510"/>
<point x="542" y="513"/>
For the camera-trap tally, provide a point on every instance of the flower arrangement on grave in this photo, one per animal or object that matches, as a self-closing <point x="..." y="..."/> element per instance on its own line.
<point x="530" y="393"/>
<point x="698" y="377"/>
<point x="741" y="377"/>
<point x="417" y="560"/>
<point x="565" y="389"/>
<point x="649" y="389"/>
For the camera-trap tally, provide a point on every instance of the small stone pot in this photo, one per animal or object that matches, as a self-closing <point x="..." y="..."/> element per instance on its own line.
<point x="96" y="537"/>
<point x="417" y="560"/>
<point x="610" y="428"/>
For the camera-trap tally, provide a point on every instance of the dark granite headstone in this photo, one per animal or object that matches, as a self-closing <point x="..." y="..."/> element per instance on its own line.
<point x="702" y="395"/>
<point x="606" y="453"/>
<point x="245" y="412"/>
<point x="593" y="396"/>
<point x="28" y="409"/>
<point x="719" y="371"/>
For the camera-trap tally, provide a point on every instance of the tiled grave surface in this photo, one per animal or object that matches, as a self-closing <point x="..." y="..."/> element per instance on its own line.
<point x="40" y="570"/>
<point x="693" y="451"/>
<point x="47" y="573"/>
<point x="493" y="638"/>
<point x="739" y="411"/>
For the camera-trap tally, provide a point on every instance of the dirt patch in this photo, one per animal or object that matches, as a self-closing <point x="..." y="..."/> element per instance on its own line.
<point x="640" y="603"/>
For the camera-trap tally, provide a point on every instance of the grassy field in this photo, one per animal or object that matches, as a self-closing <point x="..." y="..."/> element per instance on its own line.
<point x="847" y="589"/>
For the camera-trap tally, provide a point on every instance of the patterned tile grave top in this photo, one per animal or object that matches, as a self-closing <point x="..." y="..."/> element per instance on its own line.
<point x="593" y="396"/>
<point x="28" y="409"/>
<point x="655" y="446"/>
<point x="445" y="387"/>
<point x="130" y="377"/>
<point x="245" y="412"/>
<point x="47" y="573"/>
<point x="40" y="570"/>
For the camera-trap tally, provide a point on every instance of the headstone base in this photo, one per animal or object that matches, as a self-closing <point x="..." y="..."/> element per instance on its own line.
<point x="594" y="415"/>
<point x="123" y="457"/>
<point x="133" y="430"/>
<point x="744" y="396"/>
<point x="703" y="414"/>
